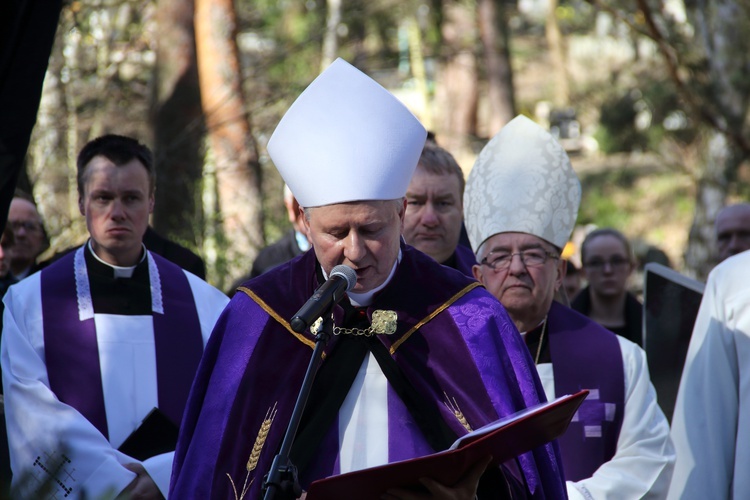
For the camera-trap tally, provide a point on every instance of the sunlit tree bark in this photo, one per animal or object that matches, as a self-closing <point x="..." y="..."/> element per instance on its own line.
<point x="233" y="149"/>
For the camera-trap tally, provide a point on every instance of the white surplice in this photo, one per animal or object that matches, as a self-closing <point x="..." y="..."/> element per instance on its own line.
<point x="711" y="423"/>
<point x="43" y="432"/>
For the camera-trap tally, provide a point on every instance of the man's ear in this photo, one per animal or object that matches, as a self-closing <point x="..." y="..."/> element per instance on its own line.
<point x="476" y="270"/>
<point x="81" y="206"/>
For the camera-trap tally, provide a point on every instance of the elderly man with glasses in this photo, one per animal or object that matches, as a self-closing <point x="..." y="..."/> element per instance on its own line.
<point x="521" y="203"/>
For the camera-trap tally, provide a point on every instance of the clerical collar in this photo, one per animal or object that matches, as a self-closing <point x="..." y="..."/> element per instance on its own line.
<point x="119" y="271"/>
<point x="534" y="330"/>
<point x="364" y="299"/>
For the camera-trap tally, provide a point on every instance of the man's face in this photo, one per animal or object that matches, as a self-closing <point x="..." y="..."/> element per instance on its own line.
<point x="526" y="291"/>
<point x="24" y="219"/>
<point x="362" y="235"/>
<point x="607" y="266"/>
<point x="733" y="231"/>
<point x="117" y="202"/>
<point x="434" y="213"/>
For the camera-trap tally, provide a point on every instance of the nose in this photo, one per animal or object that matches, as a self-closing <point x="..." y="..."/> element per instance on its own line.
<point x="354" y="247"/>
<point x="517" y="267"/>
<point x="117" y="212"/>
<point x="429" y="216"/>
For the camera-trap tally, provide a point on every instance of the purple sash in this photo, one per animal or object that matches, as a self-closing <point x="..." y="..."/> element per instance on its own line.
<point x="70" y="339"/>
<point x="585" y="355"/>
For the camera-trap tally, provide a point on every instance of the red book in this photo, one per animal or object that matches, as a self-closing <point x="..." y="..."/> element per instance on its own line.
<point x="503" y="439"/>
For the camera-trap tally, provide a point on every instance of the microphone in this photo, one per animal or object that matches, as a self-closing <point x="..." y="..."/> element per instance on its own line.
<point x="341" y="279"/>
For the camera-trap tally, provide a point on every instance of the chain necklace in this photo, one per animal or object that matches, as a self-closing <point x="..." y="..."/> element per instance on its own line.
<point x="541" y="341"/>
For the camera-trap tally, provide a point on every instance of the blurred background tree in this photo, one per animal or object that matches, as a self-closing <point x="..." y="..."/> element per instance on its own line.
<point x="650" y="99"/>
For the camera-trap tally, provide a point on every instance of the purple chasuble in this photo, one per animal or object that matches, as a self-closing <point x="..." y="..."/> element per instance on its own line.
<point x="453" y="341"/>
<point x="70" y="337"/>
<point x="586" y="355"/>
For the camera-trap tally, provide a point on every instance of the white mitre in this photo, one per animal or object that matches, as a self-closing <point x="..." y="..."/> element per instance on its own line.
<point x="522" y="182"/>
<point x="346" y="138"/>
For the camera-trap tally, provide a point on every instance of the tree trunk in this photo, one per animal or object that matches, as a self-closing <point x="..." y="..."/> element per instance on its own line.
<point x="710" y="196"/>
<point x="177" y="125"/>
<point x="493" y="31"/>
<point x="238" y="174"/>
<point x="330" y="38"/>
<point x="561" y="97"/>
<point x="721" y="26"/>
<point x="457" y="91"/>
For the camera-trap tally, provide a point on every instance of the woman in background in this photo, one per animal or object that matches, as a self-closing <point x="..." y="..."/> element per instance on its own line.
<point x="607" y="264"/>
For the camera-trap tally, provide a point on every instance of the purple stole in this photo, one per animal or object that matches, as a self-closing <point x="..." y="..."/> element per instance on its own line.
<point x="71" y="348"/>
<point x="585" y="355"/>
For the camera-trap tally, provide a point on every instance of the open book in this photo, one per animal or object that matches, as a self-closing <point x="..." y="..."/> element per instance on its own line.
<point x="503" y="439"/>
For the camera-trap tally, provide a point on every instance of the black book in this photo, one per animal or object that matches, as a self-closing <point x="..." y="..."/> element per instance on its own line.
<point x="157" y="434"/>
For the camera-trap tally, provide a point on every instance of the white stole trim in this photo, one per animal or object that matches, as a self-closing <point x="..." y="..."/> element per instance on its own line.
<point x="157" y="304"/>
<point x="83" y="289"/>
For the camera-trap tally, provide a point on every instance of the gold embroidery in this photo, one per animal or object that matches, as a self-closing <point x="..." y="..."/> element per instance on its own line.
<point x="252" y="461"/>
<point x="429" y="318"/>
<point x="452" y="405"/>
<point x="276" y="316"/>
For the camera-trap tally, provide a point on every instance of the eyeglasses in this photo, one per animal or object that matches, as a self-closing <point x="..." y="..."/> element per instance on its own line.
<point x="615" y="263"/>
<point x="500" y="261"/>
<point x="28" y="225"/>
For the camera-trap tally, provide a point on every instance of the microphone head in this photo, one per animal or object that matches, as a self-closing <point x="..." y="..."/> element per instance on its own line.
<point x="346" y="272"/>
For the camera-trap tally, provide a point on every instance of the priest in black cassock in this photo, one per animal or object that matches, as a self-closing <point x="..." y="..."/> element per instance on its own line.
<point x="99" y="339"/>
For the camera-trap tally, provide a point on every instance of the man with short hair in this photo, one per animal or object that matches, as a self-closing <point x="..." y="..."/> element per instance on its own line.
<point x="732" y="227"/>
<point x="293" y="243"/>
<point x="407" y="368"/>
<point x="434" y="209"/>
<point x="99" y="340"/>
<point x="521" y="203"/>
<point x="29" y="235"/>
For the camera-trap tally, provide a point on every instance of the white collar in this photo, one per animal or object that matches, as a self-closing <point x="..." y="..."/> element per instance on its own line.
<point x="120" y="271"/>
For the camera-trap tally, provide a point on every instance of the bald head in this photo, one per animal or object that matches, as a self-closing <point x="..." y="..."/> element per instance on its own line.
<point x="733" y="230"/>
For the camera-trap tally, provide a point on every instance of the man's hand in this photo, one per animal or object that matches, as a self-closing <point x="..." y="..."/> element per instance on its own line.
<point x="142" y="487"/>
<point x="465" y="489"/>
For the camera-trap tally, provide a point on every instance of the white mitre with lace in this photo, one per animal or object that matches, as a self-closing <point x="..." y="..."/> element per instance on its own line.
<point x="346" y="138"/>
<point x="522" y="182"/>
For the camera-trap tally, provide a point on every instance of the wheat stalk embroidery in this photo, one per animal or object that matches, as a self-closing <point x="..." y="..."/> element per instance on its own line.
<point x="452" y="405"/>
<point x="252" y="461"/>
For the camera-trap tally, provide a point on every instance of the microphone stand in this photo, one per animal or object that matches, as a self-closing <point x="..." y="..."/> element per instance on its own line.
<point x="282" y="481"/>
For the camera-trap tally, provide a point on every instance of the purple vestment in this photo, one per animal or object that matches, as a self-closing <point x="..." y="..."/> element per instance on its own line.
<point x="71" y="341"/>
<point x="464" y="260"/>
<point x="453" y="340"/>
<point x="585" y="355"/>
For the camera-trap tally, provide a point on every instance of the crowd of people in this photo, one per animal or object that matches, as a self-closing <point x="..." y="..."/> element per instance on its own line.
<point x="126" y="375"/>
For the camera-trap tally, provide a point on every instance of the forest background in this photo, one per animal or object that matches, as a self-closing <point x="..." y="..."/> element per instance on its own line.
<point x="649" y="97"/>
